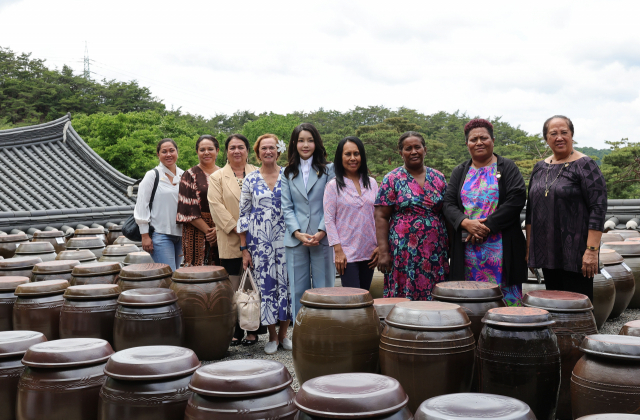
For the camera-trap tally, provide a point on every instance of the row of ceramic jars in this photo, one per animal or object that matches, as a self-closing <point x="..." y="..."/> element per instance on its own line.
<point x="630" y="251"/>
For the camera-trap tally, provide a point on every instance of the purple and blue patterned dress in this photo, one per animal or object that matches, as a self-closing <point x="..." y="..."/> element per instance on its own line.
<point x="483" y="262"/>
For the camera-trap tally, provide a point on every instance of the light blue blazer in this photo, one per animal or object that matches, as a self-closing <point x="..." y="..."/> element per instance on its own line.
<point x="302" y="207"/>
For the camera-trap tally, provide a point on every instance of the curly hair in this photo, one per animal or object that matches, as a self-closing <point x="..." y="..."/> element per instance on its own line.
<point x="477" y="123"/>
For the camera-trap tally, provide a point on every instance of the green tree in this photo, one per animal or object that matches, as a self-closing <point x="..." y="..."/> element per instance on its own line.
<point x="621" y="169"/>
<point x="280" y="125"/>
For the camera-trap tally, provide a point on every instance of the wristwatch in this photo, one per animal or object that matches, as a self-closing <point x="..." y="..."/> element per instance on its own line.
<point x="593" y="248"/>
<point x="242" y="248"/>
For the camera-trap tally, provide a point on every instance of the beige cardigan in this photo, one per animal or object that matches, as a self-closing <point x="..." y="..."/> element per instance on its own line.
<point x="224" y="201"/>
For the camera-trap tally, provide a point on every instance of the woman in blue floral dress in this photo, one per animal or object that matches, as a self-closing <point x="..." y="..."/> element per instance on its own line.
<point x="261" y="228"/>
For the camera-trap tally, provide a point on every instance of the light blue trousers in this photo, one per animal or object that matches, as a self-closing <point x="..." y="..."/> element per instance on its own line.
<point x="167" y="249"/>
<point x="305" y="263"/>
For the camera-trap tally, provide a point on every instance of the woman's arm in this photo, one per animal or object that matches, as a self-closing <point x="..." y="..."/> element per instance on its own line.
<point x="516" y="196"/>
<point x="142" y="211"/>
<point x="594" y="191"/>
<point x="382" y="215"/>
<point x="246" y="206"/>
<point x="288" y="211"/>
<point x="219" y="213"/>
<point x="330" y="210"/>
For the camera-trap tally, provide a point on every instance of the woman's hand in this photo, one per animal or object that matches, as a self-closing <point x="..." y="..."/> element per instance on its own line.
<point x="212" y="235"/>
<point x="246" y="259"/>
<point x="305" y="238"/>
<point x="384" y="263"/>
<point x="478" y="232"/>
<point x="589" y="263"/>
<point x="374" y="259"/>
<point x="147" y="243"/>
<point x="341" y="259"/>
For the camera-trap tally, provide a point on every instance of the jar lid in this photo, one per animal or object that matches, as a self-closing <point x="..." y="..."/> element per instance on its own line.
<point x="92" y="291"/>
<point x="96" y="269"/>
<point x="49" y="234"/>
<point x="637" y="238"/>
<point x="143" y="272"/>
<point x="152" y="296"/>
<point x="89" y="231"/>
<point x="85" y="242"/>
<point x="610" y="257"/>
<point x="9" y="283"/>
<point x="518" y="317"/>
<point x="471" y="291"/>
<point x="55" y="266"/>
<point x="428" y="316"/>
<point x="626" y="233"/>
<point x="630" y="328"/>
<point x="337" y="298"/>
<point x="385" y="305"/>
<point x="18" y="237"/>
<point x="557" y="301"/>
<point x="611" y="237"/>
<point x="240" y="378"/>
<point x="19" y="263"/>
<point x="35" y="248"/>
<point x="16" y="343"/>
<point x="199" y="274"/>
<point x="612" y="346"/>
<point x="115" y="228"/>
<point x="82" y="255"/>
<point x="351" y="395"/>
<point x="151" y="362"/>
<point x="139" y="257"/>
<point x="42" y="288"/>
<point x="624" y="248"/>
<point x="68" y="352"/>
<point x="473" y="406"/>
<point x="119" y="250"/>
<point x="125" y="240"/>
<point x="610" y="416"/>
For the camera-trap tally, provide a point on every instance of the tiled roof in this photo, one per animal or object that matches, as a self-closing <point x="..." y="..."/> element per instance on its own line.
<point x="49" y="176"/>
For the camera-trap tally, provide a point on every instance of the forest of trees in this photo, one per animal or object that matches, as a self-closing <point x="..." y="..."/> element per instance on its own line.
<point x="122" y="122"/>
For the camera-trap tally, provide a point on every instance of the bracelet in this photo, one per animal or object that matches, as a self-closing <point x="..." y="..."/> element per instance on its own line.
<point x="242" y="248"/>
<point x="593" y="248"/>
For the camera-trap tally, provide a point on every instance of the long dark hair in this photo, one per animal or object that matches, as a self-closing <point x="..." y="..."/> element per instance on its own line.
<point x="363" y="170"/>
<point x="293" y="157"/>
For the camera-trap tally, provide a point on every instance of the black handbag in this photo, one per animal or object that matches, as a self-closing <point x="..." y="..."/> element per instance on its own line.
<point x="130" y="228"/>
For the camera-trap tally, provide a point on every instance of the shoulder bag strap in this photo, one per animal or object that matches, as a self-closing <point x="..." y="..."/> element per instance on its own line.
<point x="155" y="187"/>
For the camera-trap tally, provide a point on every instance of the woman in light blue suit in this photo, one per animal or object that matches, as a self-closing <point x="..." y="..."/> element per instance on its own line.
<point x="309" y="256"/>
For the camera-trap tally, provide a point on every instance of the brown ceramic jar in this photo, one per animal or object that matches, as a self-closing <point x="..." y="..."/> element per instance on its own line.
<point x="89" y="311"/>
<point x="95" y="273"/>
<point x="383" y="306"/>
<point x="53" y="270"/>
<point x="90" y="232"/>
<point x="92" y="243"/>
<point x="574" y="321"/>
<point x="630" y="251"/>
<point x="140" y="257"/>
<point x="9" y="244"/>
<point x="83" y="255"/>
<point x="631" y="328"/>
<point x="18" y="266"/>
<point x="377" y="285"/>
<point x="518" y="357"/>
<point x="622" y="279"/>
<point x="626" y="233"/>
<point x="205" y="297"/>
<point x="258" y="389"/>
<point x="115" y="232"/>
<point x="62" y="379"/>
<point x="148" y="317"/>
<point x="611" y="237"/>
<point x="337" y="330"/>
<point x="38" y="307"/>
<point x="44" y="250"/>
<point x="475" y="297"/>
<point x="468" y="406"/>
<point x="605" y="379"/>
<point x="604" y="297"/>
<point x="54" y="237"/>
<point x="611" y="416"/>
<point x="13" y="345"/>
<point x="137" y="276"/>
<point x="428" y="339"/>
<point x="125" y="240"/>
<point x="352" y="396"/>
<point x="117" y="253"/>
<point x="8" y="286"/>
<point x="148" y="383"/>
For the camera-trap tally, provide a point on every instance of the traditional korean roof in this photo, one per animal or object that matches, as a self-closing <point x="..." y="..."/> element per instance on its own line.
<point x="49" y="176"/>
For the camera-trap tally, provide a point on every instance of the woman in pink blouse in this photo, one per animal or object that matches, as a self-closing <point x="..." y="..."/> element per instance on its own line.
<point x="348" y="215"/>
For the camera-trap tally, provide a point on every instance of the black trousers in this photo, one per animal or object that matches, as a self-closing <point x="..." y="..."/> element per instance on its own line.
<point x="234" y="268"/>
<point x="357" y="274"/>
<point x="568" y="281"/>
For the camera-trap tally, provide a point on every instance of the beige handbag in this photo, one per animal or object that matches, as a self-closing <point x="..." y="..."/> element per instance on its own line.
<point x="248" y="303"/>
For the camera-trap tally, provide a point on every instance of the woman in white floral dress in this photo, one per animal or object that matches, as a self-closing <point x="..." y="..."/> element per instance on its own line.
<point x="261" y="228"/>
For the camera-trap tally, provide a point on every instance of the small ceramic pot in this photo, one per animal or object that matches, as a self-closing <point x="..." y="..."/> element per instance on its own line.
<point x="115" y="232"/>
<point x="44" y="250"/>
<point x="89" y="311"/>
<point x="92" y="243"/>
<point x="469" y="406"/>
<point x="615" y="269"/>
<point x="62" y="379"/>
<point x="95" y="273"/>
<point x="13" y="345"/>
<point x="145" y="276"/>
<point x="631" y="328"/>
<point x="140" y="257"/>
<point x="90" y="232"/>
<point x="83" y="255"/>
<point x="148" y="317"/>
<point x="117" y="253"/>
<point x="38" y="307"/>
<point x="19" y="266"/>
<point x="9" y="244"/>
<point x="53" y="270"/>
<point x="148" y="383"/>
<point x="54" y="237"/>
<point x="8" y="286"/>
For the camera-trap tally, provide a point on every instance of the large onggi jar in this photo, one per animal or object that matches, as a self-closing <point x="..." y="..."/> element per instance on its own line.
<point x="9" y="244"/>
<point x="630" y="251"/>
<point x="91" y="232"/>
<point x="89" y="311"/>
<point x="468" y="406"/>
<point x="383" y="306"/>
<point x="428" y="340"/>
<point x="115" y="232"/>
<point x="83" y="255"/>
<point x="117" y="253"/>
<point x="53" y="270"/>
<point x="337" y="330"/>
<point x="44" y="250"/>
<point x="92" y="243"/>
<point x="54" y="237"/>
<point x="18" y="266"/>
<point x="8" y="298"/>
<point x="38" y="307"/>
<point x="205" y="297"/>
<point x="137" y="276"/>
<point x="604" y="297"/>
<point x="95" y="273"/>
<point x="615" y="269"/>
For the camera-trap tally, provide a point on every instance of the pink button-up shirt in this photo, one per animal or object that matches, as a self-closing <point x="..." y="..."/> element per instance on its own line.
<point x="349" y="220"/>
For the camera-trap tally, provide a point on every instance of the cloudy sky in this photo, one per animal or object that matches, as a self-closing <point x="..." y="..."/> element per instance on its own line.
<point x="522" y="61"/>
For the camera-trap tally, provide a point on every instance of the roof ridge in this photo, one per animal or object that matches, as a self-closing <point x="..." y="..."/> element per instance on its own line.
<point x="28" y="128"/>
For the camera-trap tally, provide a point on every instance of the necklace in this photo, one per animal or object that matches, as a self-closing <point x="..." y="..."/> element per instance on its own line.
<point x="546" y="180"/>
<point x="239" y="180"/>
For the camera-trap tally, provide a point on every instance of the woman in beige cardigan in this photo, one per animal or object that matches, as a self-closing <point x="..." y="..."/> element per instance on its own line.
<point x="225" y="186"/>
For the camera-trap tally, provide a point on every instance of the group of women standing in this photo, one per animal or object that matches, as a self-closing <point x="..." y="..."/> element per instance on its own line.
<point x="294" y="226"/>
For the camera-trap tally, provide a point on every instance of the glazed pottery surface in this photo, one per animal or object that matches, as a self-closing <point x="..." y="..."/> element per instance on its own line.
<point x="634" y="265"/>
<point x="574" y="321"/>
<point x="117" y="253"/>
<point x="83" y="255"/>
<point x="205" y="296"/>
<point x="258" y="389"/>
<point x="147" y="317"/>
<point x="377" y="285"/>
<point x="626" y="233"/>
<point x="611" y="416"/>
<point x="630" y="263"/>
<point x="611" y="237"/>
<point x="18" y="266"/>
<point x="467" y="406"/>
<point x="38" y="306"/>
<point x="95" y="273"/>
<point x="53" y="270"/>
<point x="604" y="297"/>
<point x="337" y="331"/>
<point x="148" y="383"/>
<point x="605" y="379"/>
<point x="518" y="357"/>
<point x="8" y="285"/>
<point x="91" y="232"/>
<point x="428" y="339"/>
<point x="9" y="244"/>
<point x="475" y="297"/>
<point x="139" y="257"/>
<point x="624" y="248"/>
<point x="54" y="237"/>
<point x="92" y="243"/>
<point x="114" y="233"/>
<point x="125" y="240"/>
<point x="44" y="250"/>
<point x="144" y="276"/>
<point x="383" y="306"/>
<point x="616" y="270"/>
<point x="62" y="379"/>
<point x="89" y="311"/>
<point x="631" y="328"/>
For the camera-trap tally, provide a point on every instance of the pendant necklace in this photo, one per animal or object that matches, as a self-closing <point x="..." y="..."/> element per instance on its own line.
<point x="546" y="180"/>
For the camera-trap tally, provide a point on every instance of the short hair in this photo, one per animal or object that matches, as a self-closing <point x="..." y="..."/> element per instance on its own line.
<point x="477" y="123"/>
<point x="163" y="141"/>
<point x="408" y="134"/>
<point x="239" y="137"/>
<point x="545" y="126"/>
<point x="207" y="137"/>
<point x="256" y="145"/>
